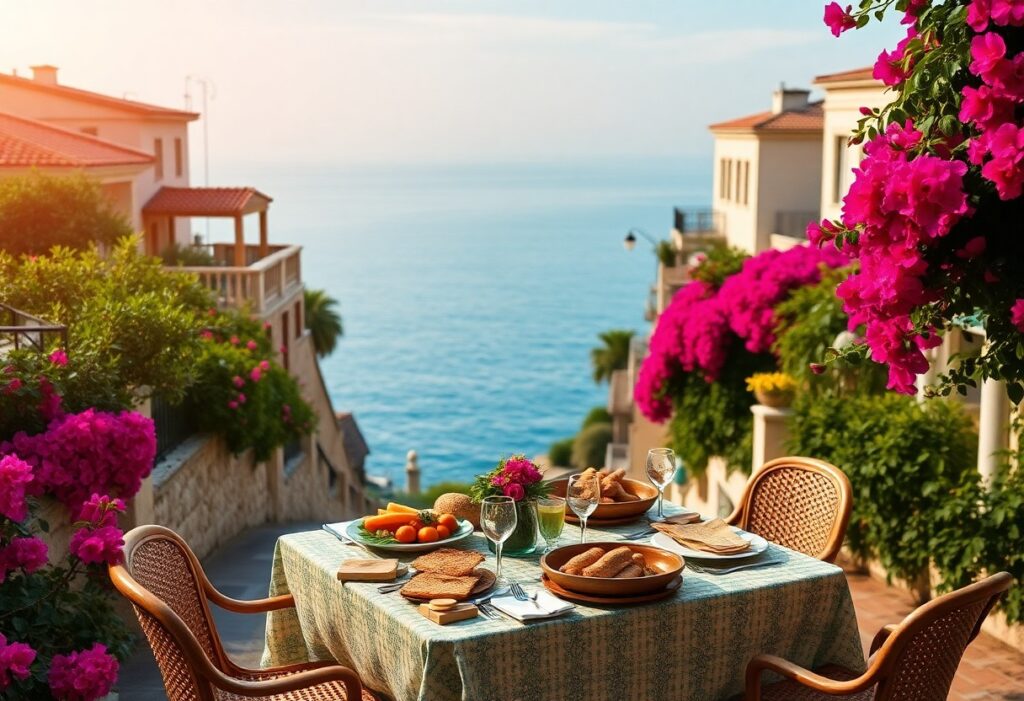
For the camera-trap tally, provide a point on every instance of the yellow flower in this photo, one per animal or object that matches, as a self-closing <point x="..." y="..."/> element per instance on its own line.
<point x="771" y="382"/>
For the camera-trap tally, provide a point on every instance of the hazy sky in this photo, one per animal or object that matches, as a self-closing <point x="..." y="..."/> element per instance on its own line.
<point x="344" y="81"/>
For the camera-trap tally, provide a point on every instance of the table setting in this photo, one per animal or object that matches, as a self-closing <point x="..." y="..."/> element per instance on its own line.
<point x="603" y="600"/>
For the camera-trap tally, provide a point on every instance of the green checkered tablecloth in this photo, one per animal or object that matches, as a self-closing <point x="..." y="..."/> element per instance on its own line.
<point x="694" y="645"/>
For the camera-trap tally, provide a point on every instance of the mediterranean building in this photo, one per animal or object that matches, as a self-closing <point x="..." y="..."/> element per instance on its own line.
<point x="139" y="155"/>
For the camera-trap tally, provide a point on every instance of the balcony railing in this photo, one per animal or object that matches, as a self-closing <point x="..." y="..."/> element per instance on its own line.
<point x="261" y="284"/>
<point x="22" y="330"/>
<point x="794" y="223"/>
<point x="697" y="221"/>
<point x="173" y="423"/>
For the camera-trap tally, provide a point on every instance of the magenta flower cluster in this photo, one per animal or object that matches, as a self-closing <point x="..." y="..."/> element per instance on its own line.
<point x="514" y="476"/>
<point x="29" y="554"/>
<point x="85" y="675"/>
<point x="99" y="541"/>
<point x="696" y="331"/>
<point x="901" y="205"/>
<point x="86" y="453"/>
<point x="15" y="661"/>
<point x="15" y="476"/>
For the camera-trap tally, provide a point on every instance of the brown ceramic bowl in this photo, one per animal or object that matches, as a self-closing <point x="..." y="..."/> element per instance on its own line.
<point x="626" y="509"/>
<point x="668" y="565"/>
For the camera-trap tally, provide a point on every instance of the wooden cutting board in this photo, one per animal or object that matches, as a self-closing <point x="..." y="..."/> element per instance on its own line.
<point x="374" y="570"/>
<point x="458" y="613"/>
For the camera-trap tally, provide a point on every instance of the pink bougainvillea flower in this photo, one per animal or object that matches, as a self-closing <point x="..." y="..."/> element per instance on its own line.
<point x="85" y="675"/>
<point x="15" y="661"/>
<point x="232" y="404"/>
<point x="97" y="545"/>
<point x="235" y="340"/>
<point x="1017" y="315"/>
<point x="237" y="381"/>
<point x="1005" y="12"/>
<point x="59" y="357"/>
<point x="240" y="398"/>
<point x="515" y="490"/>
<point x="987" y="51"/>
<point x="101" y="510"/>
<point x="264" y="365"/>
<point x="973" y="248"/>
<point x="984" y="107"/>
<point x="837" y="19"/>
<point x="1005" y="169"/>
<point x="255" y="374"/>
<point x="893" y="67"/>
<point x="29" y="554"/>
<point x="251" y="345"/>
<point x="15" y="476"/>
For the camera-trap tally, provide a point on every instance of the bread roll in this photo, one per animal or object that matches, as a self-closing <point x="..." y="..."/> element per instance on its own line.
<point x="630" y="571"/>
<point x="576" y="564"/>
<point x="610" y="564"/>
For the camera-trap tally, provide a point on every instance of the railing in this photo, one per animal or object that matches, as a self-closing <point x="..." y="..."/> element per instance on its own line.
<point x="174" y="424"/>
<point x="794" y="223"/>
<point x="22" y="330"/>
<point x="696" y="221"/>
<point x="261" y="284"/>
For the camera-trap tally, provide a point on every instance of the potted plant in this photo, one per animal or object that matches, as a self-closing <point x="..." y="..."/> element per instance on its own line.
<point x="518" y="477"/>
<point x="773" y="389"/>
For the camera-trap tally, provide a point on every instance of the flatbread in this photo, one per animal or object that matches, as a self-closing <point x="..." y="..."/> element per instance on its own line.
<point x="430" y="585"/>
<point x="713" y="536"/>
<point x="450" y="561"/>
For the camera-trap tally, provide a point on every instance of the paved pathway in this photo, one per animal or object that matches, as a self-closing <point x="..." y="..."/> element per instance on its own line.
<point x="990" y="671"/>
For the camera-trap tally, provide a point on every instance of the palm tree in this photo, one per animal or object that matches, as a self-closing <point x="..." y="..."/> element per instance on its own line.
<point x="323" y="321"/>
<point x="612" y="355"/>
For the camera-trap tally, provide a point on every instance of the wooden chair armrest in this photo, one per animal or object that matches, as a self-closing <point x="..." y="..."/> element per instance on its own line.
<point x="292" y="682"/>
<point x="881" y="636"/>
<point x="272" y="603"/>
<point x="798" y="674"/>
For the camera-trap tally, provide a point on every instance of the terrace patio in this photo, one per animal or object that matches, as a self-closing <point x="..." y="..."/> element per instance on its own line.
<point x="989" y="671"/>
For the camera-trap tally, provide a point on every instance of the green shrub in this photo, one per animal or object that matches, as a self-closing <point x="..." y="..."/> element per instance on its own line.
<point x="666" y="253"/>
<point x="426" y="498"/>
<point x="1002" y="536"/>
<point x="909" y="464"/>
<point x="189" y="256"/>
<point x="719" y="263"/>
<point x="597" y="415"/>
<point x="38" y="212"/>
<point x="560" y="452"/>
<point x="713" y="418"/>
<point x="590" y="446"/>
<point x="612" y="354"/>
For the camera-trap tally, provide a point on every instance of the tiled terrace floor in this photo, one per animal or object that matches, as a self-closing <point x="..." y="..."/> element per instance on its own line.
<point x="990" y="671"/>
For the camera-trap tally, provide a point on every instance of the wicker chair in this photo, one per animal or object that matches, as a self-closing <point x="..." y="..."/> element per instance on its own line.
<point x="801" y="503"/>
<point x="913" y="661"/>
<point x="166" y="584"/>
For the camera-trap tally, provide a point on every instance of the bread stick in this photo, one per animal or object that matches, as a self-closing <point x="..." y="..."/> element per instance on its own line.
<point x="576" y="564"/>
<point x="630" y="571"/>
<point x="610" y="564"/>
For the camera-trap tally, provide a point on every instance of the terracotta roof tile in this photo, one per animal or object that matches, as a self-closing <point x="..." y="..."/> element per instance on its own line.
<point x="855" y="74"/>
<point x="811" y="118"/>
<point x="204" y="201"/>
<point x="98" y="98"/>
<point x="27" y="142"/>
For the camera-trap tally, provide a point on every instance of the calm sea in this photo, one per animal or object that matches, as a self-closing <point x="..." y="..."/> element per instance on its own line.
<point x="472" y="295"/>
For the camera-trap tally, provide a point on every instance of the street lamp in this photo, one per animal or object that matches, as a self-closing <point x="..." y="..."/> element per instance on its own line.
<point x="630" y="241"/>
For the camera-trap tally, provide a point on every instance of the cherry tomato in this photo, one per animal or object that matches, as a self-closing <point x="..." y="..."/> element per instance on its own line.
<point x="443" y="532"/>
<point x="449" y="522"/>
<point x="427" y="534"/>
<point x="406" y="534"/>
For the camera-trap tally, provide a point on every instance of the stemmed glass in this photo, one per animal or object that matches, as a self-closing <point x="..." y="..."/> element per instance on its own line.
<point x="551" y="520"/>
<point x="498" y="520"/>
<point x="583" y="494"/>
<point x="661" y="467"/>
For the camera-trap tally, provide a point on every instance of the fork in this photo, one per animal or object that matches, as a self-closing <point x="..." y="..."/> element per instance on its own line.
<point x="520" y="594"/>
<point x="735" y="568"/>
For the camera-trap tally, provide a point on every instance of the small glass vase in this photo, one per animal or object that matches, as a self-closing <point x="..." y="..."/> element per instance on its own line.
<point x="523" y="540"/>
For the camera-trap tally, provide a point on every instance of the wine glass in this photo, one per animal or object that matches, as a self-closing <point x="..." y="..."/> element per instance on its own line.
<point x="583" y="494"/>
<point x="497" y="520"/>
<point x="551" y="520"/>
<point x="661" y="467"/>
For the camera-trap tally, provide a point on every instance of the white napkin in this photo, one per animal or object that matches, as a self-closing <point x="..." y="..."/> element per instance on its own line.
<point x="337" y="529"/>
<point x="546" y="606"/>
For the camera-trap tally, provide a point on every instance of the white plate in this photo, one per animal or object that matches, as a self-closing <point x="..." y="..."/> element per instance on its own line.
<point x="757" y="546"/>
<point x="352" y="532"/>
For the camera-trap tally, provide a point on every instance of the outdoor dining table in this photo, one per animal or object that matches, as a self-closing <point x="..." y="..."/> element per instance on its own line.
<point x="692" y="645"/>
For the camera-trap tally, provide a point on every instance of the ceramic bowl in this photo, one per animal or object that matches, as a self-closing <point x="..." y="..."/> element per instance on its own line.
<point x="668" y="565"/>
<point x="609" y="512"/>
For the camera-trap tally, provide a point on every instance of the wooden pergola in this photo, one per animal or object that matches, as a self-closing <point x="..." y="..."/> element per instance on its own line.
<point x="169" y="203"/>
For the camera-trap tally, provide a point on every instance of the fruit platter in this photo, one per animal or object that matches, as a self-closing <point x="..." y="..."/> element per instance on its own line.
<point x="403" y="528"/>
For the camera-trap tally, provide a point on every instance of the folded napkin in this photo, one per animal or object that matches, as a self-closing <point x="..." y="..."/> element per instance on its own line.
<point x="686" y="517"/>
<point x="713" y="536"/>
<point x="546" y="606"/>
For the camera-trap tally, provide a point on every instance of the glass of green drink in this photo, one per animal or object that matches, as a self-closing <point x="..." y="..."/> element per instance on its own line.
<point x="550" y="519"/>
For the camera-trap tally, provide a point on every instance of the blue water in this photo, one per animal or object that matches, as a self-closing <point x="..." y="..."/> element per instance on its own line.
<point x="472" y="295"/>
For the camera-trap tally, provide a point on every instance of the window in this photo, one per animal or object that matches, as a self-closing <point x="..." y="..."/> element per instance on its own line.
<point x="728" y="179"/>
<point x="91" y="131"/>
<point x="739" y="181"/>
<point x="158" y="151"/>
<point x="722" y="178"/>
<point x="285" y="340"/>
<point x="179" y="161"/>
<point x="841" y="167"/>
<point x="298" y="319"/>
<point x="746" y="182"/>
